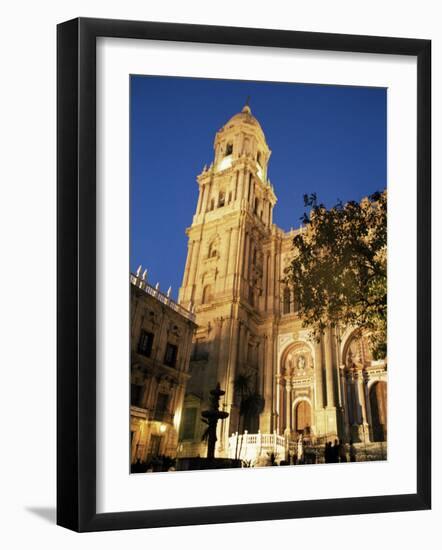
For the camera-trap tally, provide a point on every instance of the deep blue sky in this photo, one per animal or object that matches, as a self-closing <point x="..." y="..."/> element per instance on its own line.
<point x="325" y="139"/>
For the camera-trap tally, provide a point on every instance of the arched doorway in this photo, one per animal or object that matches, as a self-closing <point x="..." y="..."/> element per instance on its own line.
<point x="303" y="417"/>
<point x="378" y="405"/>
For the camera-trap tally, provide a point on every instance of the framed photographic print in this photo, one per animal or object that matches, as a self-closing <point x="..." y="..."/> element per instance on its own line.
<point x="226" y="256"/>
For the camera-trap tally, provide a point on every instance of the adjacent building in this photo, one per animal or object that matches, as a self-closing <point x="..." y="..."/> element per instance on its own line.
<point x="161" y="342"/>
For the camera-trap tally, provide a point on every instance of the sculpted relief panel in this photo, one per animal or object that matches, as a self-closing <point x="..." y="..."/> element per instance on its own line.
<point x="297" y="363"/>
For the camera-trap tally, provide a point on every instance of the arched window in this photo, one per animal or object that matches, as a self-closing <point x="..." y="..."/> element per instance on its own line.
<point x="207" y="294"/>
<point x="221" y="199"/>
<point x="259" y="158"/>
<point x="229" y="149"/>
<point x="286" y="301"/>
<point x="213" y="250"/>
<point x="256" y="205"/>
<point x="303" y="417"/>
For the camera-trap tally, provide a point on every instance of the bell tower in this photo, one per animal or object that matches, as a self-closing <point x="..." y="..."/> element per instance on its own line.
<point x="225" y="271"/>
<point x="234" y="208"/>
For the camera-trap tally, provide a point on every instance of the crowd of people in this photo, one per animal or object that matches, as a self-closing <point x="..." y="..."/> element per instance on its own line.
<point x="337" y="452"/>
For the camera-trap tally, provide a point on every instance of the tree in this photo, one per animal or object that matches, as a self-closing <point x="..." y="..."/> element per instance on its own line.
<point x="339" y="268"/>
<point x="242" y="385"/>
<point x="251" y="403"/>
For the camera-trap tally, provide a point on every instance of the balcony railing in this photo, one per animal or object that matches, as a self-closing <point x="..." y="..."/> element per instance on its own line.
<point x="139" y="282"/>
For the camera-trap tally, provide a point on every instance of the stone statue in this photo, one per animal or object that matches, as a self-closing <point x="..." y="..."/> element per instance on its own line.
<point x="300" y="448"/>
<point x="211" y="417"/>
<point x="301" y="362"/>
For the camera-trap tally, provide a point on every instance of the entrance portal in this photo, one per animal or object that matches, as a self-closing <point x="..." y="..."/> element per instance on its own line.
<point x="303" y="416"/>
<point x="378" y="404"/>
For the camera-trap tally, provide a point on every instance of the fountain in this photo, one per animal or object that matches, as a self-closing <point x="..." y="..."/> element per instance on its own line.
<point x="211" y="417"/>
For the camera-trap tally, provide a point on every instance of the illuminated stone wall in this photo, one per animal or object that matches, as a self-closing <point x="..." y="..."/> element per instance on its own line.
<point x="247" y="318"/>
<point x="161" y="342"/>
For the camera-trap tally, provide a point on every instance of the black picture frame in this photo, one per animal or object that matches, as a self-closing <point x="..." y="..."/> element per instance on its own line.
<point x="76" y="273"/>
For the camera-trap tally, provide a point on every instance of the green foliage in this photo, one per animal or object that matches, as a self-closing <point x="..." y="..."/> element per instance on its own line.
<point x="251" y="403"/>
<point x="339" y="270"/>
<point x="242" y="384"/>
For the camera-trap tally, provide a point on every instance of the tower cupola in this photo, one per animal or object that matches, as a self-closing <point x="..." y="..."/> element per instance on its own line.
<point x="242" y="136"/>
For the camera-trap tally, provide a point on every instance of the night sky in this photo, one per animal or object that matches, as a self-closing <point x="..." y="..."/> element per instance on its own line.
<point x="325" y="139"/>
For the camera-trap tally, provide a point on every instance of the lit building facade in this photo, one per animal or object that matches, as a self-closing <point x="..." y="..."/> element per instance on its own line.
<point x="161" y="341"/>
<point x="248" y="322"/>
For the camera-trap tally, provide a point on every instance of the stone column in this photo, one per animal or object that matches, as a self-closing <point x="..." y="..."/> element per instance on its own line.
<point x="223" y="374"/>
<point x="205" y="198"/>
<point x="247" y="257"/>
<point x="235" y="329"/>
<point x="232" y="374"/>
<point x="200" y="199"/>
<point x="266" y="267"/>
<point x="234" y="250"/>
<point x="329" y="368"/>
<point x="277" y="272"/>
<point x="223" y="353"/>
<point x="194" y="264"/>
<point x="361" y="392"/>
<point x="237" y="274"/>
<point x="188" y="263"/>
<point x="342" y="379"/>
<point x="227" y="251"/>
<point x="236" y="186"/>
<point x="260" y="363"/>
<point x="271" y="279"/>
<point x="267" y="382"/>
<point x="244" y="253"/>
<point x="288" y="411"/>
<point x="213" y="377"/>
<point x="278" y="403"/>
<point x="319" y="394"/>
<point x="245" y="183"/>
<point x="350" y="404"/>
<point x="367" y="401"/>
<point x="246" y="345"/>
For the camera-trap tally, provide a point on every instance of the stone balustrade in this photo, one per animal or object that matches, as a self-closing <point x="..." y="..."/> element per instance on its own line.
<point x="258" y="447"/>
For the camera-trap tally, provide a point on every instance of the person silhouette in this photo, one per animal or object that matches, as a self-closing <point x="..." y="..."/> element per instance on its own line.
<point x="334" y="452"/>
<point x="352" y="451"/>
<point x="327" y="452"/>
<point x="342" y="452"/>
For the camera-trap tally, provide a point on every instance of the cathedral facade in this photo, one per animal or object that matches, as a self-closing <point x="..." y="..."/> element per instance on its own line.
<point x="247" y="319"/>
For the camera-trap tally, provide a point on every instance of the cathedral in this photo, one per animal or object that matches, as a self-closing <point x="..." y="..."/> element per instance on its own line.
<point x="248" y="324"/>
